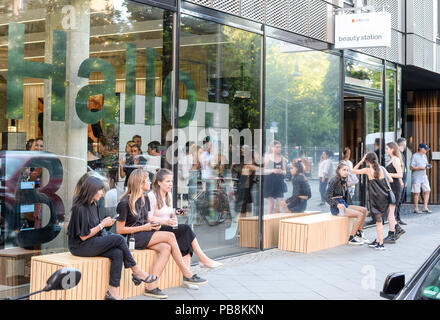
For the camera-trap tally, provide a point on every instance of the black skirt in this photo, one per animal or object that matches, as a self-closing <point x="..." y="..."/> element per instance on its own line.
<point x="184" y="236"/>
<point x="142" y="239"/>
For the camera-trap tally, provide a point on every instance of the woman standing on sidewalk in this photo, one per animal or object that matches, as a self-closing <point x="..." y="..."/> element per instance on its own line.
<point x="275" y="170"/>
<point x="378" y="194"/>
<point x="395" y="168"/>
<point x="339" y="199"/>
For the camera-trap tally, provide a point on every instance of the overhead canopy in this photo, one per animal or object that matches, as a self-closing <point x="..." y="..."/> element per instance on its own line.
<point x="415" y="79"/>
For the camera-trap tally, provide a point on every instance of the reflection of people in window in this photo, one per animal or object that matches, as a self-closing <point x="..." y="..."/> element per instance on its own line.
<point x="35" y="175"/>
<point x="93" y="161"/>
<point x="300" y="189"/>
<point x="275" y="170"/>
<point x="246" y="174"/>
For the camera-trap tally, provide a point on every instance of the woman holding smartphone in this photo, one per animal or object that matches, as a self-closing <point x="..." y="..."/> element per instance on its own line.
<point x="163" y="213"/>
<point x="134" y="218"/>
<point x="87" y="237"/>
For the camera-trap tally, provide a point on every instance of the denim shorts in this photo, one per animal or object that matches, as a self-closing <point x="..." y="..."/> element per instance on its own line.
<point x="334" y="210"/>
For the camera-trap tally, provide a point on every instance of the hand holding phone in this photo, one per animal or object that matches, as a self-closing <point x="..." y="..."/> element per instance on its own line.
<point x="428" y="166"/>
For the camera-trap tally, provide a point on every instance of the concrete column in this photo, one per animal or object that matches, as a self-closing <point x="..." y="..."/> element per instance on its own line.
<point x="68" y="139"/>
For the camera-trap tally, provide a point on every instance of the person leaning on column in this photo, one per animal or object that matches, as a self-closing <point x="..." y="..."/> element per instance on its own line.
<point x="419" y="181"/>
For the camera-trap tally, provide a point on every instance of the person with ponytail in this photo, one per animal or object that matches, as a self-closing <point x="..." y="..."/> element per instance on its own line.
<point x="378" y="193"/>
<point x="87" y="237"/>
<point x="135" y="217"/>
<point x="162" y="212"/>
<point x="338" y="197"/>
<point x="395" y="168"/>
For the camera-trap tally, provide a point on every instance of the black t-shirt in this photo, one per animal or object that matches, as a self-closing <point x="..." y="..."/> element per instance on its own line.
<point x="130" y="219"/>
<point x="83" y="219"/>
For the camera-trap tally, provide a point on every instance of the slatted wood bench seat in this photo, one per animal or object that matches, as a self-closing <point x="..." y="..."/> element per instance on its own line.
<point x="314" y="233"/>
<point x="248" y="227"/>
<point x="95" y="276"/>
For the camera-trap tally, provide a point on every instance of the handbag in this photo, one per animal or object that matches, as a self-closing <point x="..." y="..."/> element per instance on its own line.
<point x="391" y="196"/>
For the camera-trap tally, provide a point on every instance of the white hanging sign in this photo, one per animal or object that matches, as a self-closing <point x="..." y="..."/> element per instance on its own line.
<point x="363" y="30"/>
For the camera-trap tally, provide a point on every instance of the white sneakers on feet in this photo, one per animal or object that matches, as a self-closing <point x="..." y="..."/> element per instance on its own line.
<point x="215" y="265"/>
<point x="190" y="286"/>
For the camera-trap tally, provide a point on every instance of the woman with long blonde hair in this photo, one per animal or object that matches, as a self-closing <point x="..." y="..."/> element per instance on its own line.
<point x="162" y="212"/>
<point x="135" y="218"/>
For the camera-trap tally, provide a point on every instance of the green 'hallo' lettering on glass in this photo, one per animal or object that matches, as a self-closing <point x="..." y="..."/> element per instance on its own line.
<point x="110" y="108"/>
<point x="130" y="84"/>
<point x="191" y="93"/>
<point x="150" y="86"/>
<point x="18" y="69"/>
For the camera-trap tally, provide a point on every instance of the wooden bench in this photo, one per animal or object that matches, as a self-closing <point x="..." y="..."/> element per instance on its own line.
<point x="15" y="266"/>
<point x="95" y="276"/>
<point x="313" y="233"/>
<point x="248" y="227"/>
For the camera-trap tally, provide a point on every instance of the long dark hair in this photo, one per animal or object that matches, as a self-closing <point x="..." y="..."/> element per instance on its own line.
<point x="159" y="177"/>
<point x="338" y="177"/>
<point x="87" y="191"/>
<point x="372" y="158"/>
<point x="299" y="167"/>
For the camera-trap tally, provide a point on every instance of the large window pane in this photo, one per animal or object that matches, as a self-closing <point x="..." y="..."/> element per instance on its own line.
<point x="219" y="133"/>
<point x="302" y="113"/>
<point x="107" y="62"/>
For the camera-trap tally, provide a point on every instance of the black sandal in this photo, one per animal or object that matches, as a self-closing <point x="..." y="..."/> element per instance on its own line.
<point x="149" y="279"/>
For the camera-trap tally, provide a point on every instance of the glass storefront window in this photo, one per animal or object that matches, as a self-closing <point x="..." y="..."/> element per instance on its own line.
<point x="363" y="75"/>
<point x="219" y="133"/>
<point x="86" y="76"/>
<point x="301" y="113"/>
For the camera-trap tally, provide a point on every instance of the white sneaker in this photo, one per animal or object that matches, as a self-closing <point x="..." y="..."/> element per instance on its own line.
<point x="190" y="286"/>
<point x="215" y="265"/>
<point x="360" y="236"/>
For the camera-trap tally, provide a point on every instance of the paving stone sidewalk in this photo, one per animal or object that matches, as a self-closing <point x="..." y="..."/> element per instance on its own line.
<point x="345" y="272"/>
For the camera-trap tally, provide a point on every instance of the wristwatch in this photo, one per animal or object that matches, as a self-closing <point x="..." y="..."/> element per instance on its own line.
<point x="100" y="225"/>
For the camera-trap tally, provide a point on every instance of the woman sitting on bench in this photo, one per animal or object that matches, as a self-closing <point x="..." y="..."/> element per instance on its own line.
<point x="162" y="212"/>
<point x="87" y="238"/>
<point x="133" y="210"/>
<point x="339" y="199"/>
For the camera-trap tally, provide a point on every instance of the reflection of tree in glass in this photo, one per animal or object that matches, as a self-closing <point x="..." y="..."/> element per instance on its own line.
<point x="311" y="98"/>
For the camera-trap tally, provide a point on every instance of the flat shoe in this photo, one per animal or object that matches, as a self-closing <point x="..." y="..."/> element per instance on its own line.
<point x="416" y="212"/>
<point x="427" y="211"/>
<point x="215" y="265"/>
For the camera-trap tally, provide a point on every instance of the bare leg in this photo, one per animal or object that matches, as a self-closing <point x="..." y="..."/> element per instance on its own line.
<point x="114" y="292"/>
<point x="350" y="212"/>
<point x="269" y="205"/>
<point x="391" y="218"/>
<point x="279" y="201"/>
<point x="379" y="229"/>
<point x="170" y="238"/>
<point x="425" y="200"/>
<point x="203" y="258"/>
<point x="363" y="210"/>
<point x="416" y="201"/>
<point x="164" y="251"/>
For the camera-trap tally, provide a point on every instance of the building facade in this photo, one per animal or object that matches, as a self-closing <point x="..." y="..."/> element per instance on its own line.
<point x="208" y="86"/>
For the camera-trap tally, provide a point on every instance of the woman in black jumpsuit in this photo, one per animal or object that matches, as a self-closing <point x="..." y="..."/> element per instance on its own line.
<point x="87" y="238"/>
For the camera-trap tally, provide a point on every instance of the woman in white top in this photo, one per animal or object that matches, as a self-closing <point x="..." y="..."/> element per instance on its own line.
<point x="347" y="155"/>
<point x="163" y="213"/>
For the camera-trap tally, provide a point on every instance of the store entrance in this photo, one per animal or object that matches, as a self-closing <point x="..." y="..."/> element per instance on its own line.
<point x="362" y="134"/>
<point x="354" y="138"/>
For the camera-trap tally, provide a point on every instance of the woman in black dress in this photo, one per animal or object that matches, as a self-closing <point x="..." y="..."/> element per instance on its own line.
<point x="378" y="194"/>
<point x="395" y="168"/>
<point x="87" y="238"/>
<point x="133" y="210"/>
<point x="275" y="170"/>
<point x="300" y="189"/>
<point x="246" y="175"/>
